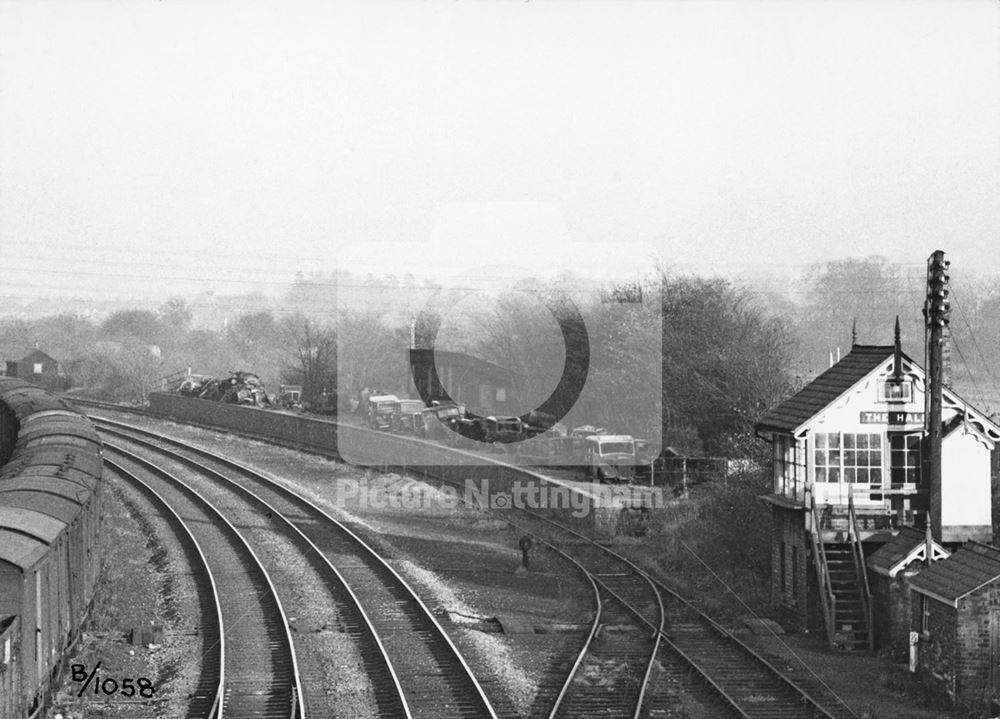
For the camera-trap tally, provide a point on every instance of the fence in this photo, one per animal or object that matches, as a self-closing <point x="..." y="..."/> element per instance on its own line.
<point x="687" y="471"/>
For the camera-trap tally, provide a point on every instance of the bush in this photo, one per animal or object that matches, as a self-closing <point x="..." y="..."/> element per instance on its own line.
<point x="726" y="527"/>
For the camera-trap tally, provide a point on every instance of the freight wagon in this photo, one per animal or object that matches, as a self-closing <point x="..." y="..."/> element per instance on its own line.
<point x="50" y="510"/>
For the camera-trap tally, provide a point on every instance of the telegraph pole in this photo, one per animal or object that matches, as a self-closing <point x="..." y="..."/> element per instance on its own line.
<point x="937" y="309"/>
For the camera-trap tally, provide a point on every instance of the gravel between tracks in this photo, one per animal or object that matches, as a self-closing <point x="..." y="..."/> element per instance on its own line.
<point x="334" y="682"/>
<point x="487" y="584"/>
<point x="143" y="582"/>
<point x="464" y="563"/>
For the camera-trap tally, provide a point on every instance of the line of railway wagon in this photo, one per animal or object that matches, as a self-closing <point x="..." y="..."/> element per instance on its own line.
<point x="50" y="518"/>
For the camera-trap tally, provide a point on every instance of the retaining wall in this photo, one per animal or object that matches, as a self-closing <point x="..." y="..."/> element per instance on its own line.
<point x="493" y="480"/>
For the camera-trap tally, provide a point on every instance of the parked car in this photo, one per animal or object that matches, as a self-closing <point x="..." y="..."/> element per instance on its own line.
<point x="290" y="395"/>
<point x="381" y="409"/>
<point x="503" y="429"/>
<point x="406" y="415"/>
<point x="536" y="422"/>
<point x="439" y="419"/>
<point x="610" y="457"/>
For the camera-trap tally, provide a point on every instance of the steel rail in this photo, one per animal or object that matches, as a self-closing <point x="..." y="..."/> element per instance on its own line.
<point x="805" y="697"/>
<point x="216" y="636"/>
<point x="396" y="704"/>
<point x="656" y="629"/>
<point x="711" y="623"/>
<point x="112" y="427"/>
<point x="295" y="709"/>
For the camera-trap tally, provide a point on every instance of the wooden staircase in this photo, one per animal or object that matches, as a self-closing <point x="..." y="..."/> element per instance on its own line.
<point x="843" y="583"/>
<point x="850" y="620"/>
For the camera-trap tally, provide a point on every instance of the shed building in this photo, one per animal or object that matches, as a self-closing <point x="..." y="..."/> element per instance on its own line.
<point x="37" y="368"/>
<point x="956" y="614"/>
<point x="483" y="387"/>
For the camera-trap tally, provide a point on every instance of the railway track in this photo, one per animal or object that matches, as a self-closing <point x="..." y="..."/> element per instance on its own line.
<point x="431" y="676"/>
<point x="207" y="697"/>
<point x="259" y="665"/>
<point x="749" y="684"/>
<point x="611" y="673"/>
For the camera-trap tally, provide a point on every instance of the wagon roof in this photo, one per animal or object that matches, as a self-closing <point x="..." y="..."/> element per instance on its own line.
<point x="21" y="551"/>
<point x="31" y="523"/>
<point x="62" y="508"/>
<point x="51" y="475"/>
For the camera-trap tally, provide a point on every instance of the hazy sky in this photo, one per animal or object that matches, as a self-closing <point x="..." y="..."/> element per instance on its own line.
<point x="156" y="148"/>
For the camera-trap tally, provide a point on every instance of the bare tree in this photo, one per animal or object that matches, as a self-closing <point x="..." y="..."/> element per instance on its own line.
<point x="371" y="354"/>
<point x="314" y="349"/>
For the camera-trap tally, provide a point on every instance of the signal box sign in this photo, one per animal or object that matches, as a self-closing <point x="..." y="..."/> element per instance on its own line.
<point x="892" y="418"/>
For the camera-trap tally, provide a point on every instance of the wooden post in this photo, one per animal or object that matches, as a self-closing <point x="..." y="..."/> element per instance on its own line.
<point x="936" y="313"/>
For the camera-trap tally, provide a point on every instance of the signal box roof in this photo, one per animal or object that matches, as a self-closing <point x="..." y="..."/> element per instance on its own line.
<point x="815" y="396"/>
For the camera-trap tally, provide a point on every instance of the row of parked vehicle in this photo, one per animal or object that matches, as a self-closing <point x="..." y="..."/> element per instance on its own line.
<point x="448" y="420"/>
<point x="606" y="457"/>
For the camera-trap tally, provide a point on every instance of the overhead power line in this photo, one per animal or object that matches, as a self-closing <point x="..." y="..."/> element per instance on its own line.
<point x="975" y="342"/>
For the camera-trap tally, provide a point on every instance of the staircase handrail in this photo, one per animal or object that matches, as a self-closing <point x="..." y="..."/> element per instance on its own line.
<point x="857" y="551"/>
<point x="828" y="600"/>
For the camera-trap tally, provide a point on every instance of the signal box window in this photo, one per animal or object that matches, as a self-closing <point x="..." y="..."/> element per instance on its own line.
<point x="905" y="451"/>
<point x="896" y="391"/>
<point x="827" y="457"/>
<point x="851" y="458"/>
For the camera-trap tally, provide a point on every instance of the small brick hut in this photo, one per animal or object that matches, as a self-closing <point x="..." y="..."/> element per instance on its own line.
<point x="891" y="567"/>
<point x="956" y="613"/>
